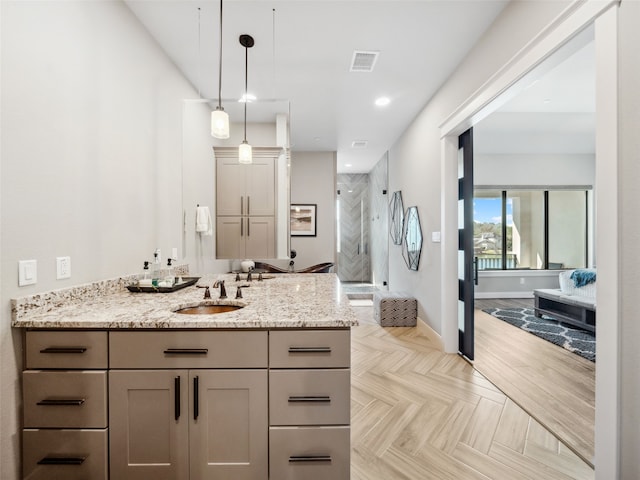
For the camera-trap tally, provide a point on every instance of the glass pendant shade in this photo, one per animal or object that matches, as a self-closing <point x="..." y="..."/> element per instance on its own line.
<point x="244" y="153"/>
<point x="219" y="123"/>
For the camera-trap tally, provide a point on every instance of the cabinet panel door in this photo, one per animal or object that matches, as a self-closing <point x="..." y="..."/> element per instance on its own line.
<point x="230" y="237"/>
<point x="230" y="187"/>
<point x="260" y="237"/>
<point x="146" y="438"/>
<point x="260" y="187"/>
<point x="228" y="424"/>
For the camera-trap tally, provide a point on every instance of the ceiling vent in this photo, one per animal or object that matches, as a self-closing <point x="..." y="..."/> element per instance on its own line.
<point x="359" y="144"/>
<point x="363" y="61"/>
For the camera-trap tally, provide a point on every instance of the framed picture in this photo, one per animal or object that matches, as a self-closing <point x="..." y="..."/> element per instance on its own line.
<point x="302" y="220"/>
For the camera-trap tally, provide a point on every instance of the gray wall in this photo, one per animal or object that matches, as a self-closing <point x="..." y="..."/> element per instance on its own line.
<point x="414" y="160"/>
<point x="313" y="180"/>
<point x="91" y="148"/>
<point x="629" y="231"/>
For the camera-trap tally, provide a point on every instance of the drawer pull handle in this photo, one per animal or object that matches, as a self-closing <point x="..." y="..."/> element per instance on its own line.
<point x="62" y="461"/>
<point x="309" y="458"/>
<point x="309" y="398"/>
<point x="186" y="351"/>
<point x="56" y="402"/>
<point x="309" y="349"/>
<point x="64" y="350"/>
<point x="176" y="398"/>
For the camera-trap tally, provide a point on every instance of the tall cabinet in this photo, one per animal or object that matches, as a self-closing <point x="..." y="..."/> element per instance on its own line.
<point x="246" y="203"/>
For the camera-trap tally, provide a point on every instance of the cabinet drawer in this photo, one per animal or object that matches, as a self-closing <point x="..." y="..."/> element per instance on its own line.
<point x="64" y="454"/>
<point x="66" y="349"/>
<point x="71" y="399"/>
<point x="309" y="453"/>
<point x="309" y="397"/>
<point x="192" y="349"/>
<point x="310" y="349"/>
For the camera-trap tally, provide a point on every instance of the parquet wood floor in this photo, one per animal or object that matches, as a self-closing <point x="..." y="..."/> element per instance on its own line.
<point x="554" y="385"/>
<point x="419" y="414"/>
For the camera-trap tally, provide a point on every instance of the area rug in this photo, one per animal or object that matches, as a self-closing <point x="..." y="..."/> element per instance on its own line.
<point x="578" y="341"/>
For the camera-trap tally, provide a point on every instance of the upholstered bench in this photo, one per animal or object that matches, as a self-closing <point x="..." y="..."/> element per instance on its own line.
<point x="395" y="309"/>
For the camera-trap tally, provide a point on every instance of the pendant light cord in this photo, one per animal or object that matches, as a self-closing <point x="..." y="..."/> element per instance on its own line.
<point x="246" y="82"/>
<point x="199" y="57"/>
<point x="220" y="63"/>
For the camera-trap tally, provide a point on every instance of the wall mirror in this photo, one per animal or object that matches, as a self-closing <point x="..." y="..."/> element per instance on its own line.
<point x="412" y="239"/>
<point x="396" y="214"/>
<point x="267" y="128"/>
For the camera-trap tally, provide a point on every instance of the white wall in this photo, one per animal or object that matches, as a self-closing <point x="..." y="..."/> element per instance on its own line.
<point x="313" y="180"/>
<point x="414" y="161"/>
<point x="536" y="169"/>
<point x="91" y="148"/>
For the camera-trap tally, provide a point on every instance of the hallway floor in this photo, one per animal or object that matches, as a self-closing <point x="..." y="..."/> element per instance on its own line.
<point x="418" y="413"/>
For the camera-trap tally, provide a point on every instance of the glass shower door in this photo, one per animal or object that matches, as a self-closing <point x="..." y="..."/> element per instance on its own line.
<point x="354" y="261"/>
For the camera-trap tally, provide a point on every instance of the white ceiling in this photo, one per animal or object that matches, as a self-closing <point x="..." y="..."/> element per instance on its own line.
<point x="302" y="53"/>
<point x="550" y="111"/>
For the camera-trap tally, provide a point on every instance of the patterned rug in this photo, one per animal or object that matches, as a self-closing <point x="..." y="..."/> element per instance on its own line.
<point x="578" y="341"/>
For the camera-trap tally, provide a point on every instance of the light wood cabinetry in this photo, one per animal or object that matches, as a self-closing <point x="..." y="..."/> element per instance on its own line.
<point x="65" y="432"/>
<point x="182" y="416"/>
<point x="187" y="405"/>
<point x="246" y="204"/>
<point x="309" y="404"/>
<point x="245" y="237"/>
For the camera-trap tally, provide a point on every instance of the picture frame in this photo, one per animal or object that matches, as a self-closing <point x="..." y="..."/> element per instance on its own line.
<point x="303" y="220"/>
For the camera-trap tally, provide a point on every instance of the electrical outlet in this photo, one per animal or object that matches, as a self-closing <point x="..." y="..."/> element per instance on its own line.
<point x="63" y="267"/>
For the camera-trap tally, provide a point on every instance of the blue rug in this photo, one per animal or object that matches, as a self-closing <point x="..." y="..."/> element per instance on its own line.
<point x="578" y="341"/>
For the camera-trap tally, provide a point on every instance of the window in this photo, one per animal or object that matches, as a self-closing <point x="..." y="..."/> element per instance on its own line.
<point x="530" y="229"/>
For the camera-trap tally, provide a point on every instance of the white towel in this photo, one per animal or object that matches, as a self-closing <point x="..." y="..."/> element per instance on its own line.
<point x="204" y="226"/>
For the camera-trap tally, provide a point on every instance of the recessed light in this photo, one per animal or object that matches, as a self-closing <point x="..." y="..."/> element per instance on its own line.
<point x="249" y="98"/>
<point x="348" y="165"/>
<point x="546" y="100"/>
<point x="383" y="101"/>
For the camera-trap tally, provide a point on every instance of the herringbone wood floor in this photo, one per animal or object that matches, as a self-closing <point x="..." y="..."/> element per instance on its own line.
<point x="418" y="413"/>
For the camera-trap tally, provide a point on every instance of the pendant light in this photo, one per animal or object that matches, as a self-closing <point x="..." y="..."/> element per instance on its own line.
<point x="220" y="118"/>
<point x="244" y="150"/>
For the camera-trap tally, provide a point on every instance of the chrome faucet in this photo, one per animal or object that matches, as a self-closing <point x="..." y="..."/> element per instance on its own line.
<point x="223" y="290"/>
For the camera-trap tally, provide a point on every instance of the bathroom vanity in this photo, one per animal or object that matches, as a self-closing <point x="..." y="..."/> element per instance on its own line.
<point x="120" y="385"/>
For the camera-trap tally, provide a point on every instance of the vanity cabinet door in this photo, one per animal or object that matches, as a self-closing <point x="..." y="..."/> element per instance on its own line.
<point x="228" y="424"/>
<point x="245" y="237"/>
<point x="260" y="187"/>
<point x="230" y="233"/>
<point x="245" y="189"/>
<point x="148" y="424"/>
<point x="260" y="240"/>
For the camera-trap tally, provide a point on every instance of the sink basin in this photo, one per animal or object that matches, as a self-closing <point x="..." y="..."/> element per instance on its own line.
<point x="208" y="309"/>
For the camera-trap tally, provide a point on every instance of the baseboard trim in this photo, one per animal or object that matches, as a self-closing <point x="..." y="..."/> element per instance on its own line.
<point x="426" y="330"/>
<point x="528" y="294"/>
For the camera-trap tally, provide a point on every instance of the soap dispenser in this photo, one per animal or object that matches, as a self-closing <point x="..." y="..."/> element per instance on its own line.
<point x="155" y="269"/>
<point x="145" y="276"/>
<point x="170" y="278"/>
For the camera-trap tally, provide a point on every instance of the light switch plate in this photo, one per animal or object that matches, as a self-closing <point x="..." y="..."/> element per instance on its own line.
<point x="435" y="237"/>
<point x="27" y="272"/>
<point x="63" y="267"/>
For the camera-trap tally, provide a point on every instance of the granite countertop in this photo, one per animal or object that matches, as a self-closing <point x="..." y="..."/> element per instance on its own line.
<point x="281" y="301"/>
